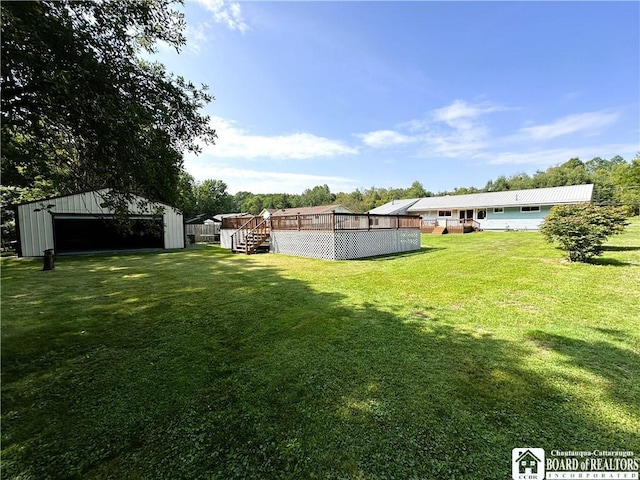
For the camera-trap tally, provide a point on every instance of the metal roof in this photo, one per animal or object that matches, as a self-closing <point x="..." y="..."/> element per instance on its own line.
<point x="99" y="192"/>
<point x="535" y="196"/>
<point x="221" y="216"/>
<point x="395" y="207"/>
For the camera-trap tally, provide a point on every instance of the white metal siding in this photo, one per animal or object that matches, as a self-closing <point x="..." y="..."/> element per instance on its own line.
<point x="225" y="237"/>
<point x="36" y="228"/>
<point x="514" y="224"/>
<point x="173" y="228"/>
<point x="341" y="209"/>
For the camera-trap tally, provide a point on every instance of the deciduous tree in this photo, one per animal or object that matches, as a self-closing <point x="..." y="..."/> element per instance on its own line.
<point x="212" y="198"/>
<point x="83" y="110"/>
<point x="581" y="230"/>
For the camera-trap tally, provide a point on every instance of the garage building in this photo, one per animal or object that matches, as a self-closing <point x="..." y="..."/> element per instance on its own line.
<point x="78" y="224"/>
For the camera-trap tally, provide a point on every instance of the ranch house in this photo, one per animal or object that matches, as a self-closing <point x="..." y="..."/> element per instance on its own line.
<point x="508" y="210"/>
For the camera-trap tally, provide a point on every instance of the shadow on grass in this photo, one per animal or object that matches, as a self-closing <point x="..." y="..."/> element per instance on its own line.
<point x="619" y="335"/>
<point x="207" y="365"/>
<point x="617" y="248"/>
<point x="612" y="262"/>
<point x="392" y="256"/>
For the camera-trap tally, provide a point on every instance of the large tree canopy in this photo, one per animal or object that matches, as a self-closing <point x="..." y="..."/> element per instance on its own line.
<point x="82" y="110"/>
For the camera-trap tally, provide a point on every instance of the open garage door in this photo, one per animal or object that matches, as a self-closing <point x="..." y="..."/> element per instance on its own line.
<point x="86" y="234"/>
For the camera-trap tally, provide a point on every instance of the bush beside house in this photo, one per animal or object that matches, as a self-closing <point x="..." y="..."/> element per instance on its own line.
<point x="582" y="229"/>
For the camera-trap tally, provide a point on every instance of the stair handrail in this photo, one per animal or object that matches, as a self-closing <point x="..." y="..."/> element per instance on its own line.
<point x="257" y="229"/>
<point x="243" y="228"/>
<point x="239" y="237"/>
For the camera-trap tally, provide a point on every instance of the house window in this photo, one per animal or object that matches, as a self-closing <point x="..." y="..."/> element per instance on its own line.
<point x="482" y="214"/>
<point x="444" y="213"/>
<point x="534" y="208"/>
<point x="498" y="210"/>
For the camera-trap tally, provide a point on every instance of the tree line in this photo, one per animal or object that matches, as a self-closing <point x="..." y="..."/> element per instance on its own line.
<point x="616" y="182"/>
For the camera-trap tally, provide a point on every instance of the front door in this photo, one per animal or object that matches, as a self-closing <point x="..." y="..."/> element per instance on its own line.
<point x="466" y="215"/>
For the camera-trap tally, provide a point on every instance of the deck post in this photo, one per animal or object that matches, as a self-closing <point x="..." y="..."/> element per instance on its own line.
<point x="298" y="220"/>
<point x="368" y="222"/>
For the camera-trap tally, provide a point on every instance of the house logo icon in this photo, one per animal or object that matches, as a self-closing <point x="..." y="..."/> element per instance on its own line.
<point x="527" y="464"/>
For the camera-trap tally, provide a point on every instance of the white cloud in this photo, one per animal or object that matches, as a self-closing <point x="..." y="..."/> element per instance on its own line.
<point x="555" y="156"/>
<point x="589" y="123"/>
<point x="460" y="131"/>
<point x="460" y="114"/>
<point x="226" y="13"/>
<point x="385" y="138"/>
<point x="463" y="133"/>
<point x="196" y="36"/>
<point x="453" y="131"/>
<point x="449" y="131"/>
<point x="239" y="179"/>
<point x="234" y="142"/>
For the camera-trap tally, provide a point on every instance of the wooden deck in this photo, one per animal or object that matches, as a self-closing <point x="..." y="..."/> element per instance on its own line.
<point x="252" y="233"/>
<point x="343" y="221"/>
<point x="450" y="226"/>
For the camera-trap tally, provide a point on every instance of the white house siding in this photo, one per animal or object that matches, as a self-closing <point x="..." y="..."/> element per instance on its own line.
<point x="225" y="237"/>
<point x="341" y="209"/>
<point x="432" y="215"/>
<point x="36" y="228"/>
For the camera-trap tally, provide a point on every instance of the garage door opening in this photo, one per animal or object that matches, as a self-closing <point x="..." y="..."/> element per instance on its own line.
<point x="87" y="234"/>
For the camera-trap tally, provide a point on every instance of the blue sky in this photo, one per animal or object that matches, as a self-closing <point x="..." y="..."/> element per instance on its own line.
<point x="452" y="94"/>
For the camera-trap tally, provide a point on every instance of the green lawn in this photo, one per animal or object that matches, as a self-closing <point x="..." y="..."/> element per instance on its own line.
<point x="431" y="365"/>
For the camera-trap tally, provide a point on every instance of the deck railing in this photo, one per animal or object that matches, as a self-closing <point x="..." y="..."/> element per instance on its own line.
<point x="233" y="223"/>
<point x="343" y="221"/>
<point x="239" y="237"/>
<point x="462" y="223"/>
<point x="449" y="222"/>
<point x="453" y="225"/>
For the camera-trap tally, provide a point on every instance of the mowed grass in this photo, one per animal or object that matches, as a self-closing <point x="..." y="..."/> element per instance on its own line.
<point x="200" y="364"/>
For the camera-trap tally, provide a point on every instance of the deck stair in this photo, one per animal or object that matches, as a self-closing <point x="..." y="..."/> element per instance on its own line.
<point x="439" y="230"/>
<point x="251" y="237"/>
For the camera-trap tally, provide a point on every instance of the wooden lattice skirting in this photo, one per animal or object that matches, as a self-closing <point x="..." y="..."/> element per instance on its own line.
<point x="345" y="244"/>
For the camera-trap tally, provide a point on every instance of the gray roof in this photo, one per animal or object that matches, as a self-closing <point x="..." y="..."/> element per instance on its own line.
<point x="535" y="196"/>
<point x="395" y="207"/>
<point x="221" y="216"/>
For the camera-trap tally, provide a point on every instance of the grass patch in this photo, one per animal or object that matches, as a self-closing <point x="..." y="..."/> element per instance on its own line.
<point x="203" y="364"/>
